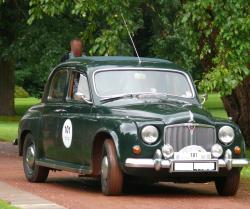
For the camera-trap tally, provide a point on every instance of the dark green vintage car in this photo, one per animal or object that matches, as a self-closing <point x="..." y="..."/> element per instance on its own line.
<point x="118" y="119"/>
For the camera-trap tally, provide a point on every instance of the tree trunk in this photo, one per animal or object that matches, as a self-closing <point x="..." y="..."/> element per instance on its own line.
<point x="7" y="85"/>
<point x="237" y="106"/>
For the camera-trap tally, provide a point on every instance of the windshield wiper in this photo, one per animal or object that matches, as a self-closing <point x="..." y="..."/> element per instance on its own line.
<point x="117" y="97"/>
<point x="161" y="96"/>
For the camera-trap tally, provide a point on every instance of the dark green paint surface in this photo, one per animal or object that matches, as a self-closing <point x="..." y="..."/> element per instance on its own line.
<point x="122" y="119"/>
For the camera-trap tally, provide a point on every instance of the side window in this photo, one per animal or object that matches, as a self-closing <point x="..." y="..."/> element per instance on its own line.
<point x="57" y="86"/>
<point x="78" y="88"/>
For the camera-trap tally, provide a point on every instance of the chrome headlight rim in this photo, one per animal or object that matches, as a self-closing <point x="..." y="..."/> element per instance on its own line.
<point x="149" y="134"/>
<point x="226" y="135"/>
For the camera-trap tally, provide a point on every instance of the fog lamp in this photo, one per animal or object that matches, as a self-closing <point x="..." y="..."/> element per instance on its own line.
<point x="216" y="150"/>
<point x="167" y="151"/>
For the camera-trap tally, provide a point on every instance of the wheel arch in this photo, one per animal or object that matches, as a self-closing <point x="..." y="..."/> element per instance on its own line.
<point x="97" y="148"/>
<point x="21" y="140"/>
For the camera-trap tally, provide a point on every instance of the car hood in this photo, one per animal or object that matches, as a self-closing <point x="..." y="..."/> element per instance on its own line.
<point x="168" y="112"/>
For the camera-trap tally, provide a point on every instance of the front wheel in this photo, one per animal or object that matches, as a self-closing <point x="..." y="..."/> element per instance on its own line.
<point x="228" y="185"/>
<point x="111" y="174"/>
<point x="33" y="172"/>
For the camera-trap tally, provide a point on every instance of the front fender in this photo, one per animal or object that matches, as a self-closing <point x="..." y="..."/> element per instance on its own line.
<point x="30" y="123"/>
<point x="238" y="140"/>
<point x="124" y="133"/>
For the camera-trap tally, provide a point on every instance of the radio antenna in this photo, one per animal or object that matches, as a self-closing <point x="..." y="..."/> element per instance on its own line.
<point x="125" y="23"/>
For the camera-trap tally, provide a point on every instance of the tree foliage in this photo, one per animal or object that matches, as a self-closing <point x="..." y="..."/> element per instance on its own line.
<point x="150" y="22"/>
<point x="104" y="31"/>
<point x="218" y="32"/>
<point x="39" y="47"/>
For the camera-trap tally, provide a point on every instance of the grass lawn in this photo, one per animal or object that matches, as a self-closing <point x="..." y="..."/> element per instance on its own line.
<point x="9" y="124"/>
<point x="5" y="205"/>
<point x="215" y="106"/>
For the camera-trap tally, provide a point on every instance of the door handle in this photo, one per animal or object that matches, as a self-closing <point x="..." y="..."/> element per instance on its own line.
<point x="60" y="110"/>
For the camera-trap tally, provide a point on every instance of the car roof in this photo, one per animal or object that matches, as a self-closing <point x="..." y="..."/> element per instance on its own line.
<point x="92" y="63"/>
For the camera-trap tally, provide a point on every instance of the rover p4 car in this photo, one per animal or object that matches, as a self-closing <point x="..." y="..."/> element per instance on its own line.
<point x="115" y="118"/>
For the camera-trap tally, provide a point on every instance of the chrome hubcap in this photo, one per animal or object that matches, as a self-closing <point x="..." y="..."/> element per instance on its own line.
<point x="30" y="157"/>
<point x="105" y="165"/>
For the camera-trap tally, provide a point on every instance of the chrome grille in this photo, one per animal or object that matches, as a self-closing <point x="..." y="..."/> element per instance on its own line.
<point x="182" y="135"/>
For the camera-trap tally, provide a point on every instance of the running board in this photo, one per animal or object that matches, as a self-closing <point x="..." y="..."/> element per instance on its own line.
<point x="57" y="165"/>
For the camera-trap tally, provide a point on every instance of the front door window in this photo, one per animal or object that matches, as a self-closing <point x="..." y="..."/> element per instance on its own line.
<point x="79" y="89"/>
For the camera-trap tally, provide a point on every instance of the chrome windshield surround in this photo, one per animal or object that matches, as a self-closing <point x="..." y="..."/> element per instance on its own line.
<point x="144" y="69"/>
<point x="191" y="126"/>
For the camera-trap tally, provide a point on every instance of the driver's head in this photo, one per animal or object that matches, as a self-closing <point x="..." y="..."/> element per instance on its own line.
<point x="76" y="46"/>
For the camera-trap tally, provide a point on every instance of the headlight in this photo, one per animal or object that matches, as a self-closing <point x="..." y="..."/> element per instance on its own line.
<point x="216" y="150"/>
<point x="226" y="134"/>
<point x="149" y="134"/>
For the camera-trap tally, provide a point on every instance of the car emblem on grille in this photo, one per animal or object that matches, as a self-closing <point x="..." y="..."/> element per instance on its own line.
<point x="191" y="129"/>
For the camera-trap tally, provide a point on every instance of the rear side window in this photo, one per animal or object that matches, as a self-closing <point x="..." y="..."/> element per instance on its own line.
<point x="58" y="84"/>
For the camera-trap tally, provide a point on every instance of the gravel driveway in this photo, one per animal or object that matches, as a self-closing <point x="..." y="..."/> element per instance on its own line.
<point x="70" y="191"/>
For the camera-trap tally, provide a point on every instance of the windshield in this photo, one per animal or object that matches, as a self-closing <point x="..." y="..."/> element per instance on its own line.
<point x="118" y="82"/>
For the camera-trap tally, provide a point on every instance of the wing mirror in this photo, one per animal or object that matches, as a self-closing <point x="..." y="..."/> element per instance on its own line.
<point x="203" y="98"/>
<point x="81" y="97"/>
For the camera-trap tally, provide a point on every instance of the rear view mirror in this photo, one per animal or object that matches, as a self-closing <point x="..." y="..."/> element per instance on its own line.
<point x="81" y="97"/>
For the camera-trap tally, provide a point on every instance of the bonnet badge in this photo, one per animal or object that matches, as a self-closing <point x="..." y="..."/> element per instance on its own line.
<point x="191" y="117"/>
<point x="191" y="126"/>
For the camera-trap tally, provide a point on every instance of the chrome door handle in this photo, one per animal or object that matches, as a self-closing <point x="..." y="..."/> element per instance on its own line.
<point x="60" y="110"/>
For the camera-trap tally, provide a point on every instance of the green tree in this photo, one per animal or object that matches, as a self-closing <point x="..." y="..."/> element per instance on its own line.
<point x="105" y="32"/>
<point x="11" y="18"/>
<point x="29" y="52"/>
<point x="218" y="32"/>
<point x="39" y="47"/>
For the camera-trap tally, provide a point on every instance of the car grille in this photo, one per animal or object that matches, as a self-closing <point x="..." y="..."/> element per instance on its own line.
<point x="182" y="135"/>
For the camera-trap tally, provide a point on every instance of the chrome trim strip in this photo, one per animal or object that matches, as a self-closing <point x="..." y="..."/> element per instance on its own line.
<point x="188" y="124"/>
<point x="146" y="68"/>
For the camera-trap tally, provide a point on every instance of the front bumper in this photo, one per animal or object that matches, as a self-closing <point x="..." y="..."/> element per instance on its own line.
<point x="157" y="164"/>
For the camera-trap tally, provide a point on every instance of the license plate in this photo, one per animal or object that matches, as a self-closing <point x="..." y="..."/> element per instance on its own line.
<point x="192" y="155"/>
<point x="194" y="166"/>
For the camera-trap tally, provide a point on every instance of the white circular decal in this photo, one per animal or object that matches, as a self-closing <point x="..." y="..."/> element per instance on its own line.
<point x="67" y="133"/>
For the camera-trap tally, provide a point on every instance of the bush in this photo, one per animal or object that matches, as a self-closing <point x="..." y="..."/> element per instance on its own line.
<point x="20" y="92"/>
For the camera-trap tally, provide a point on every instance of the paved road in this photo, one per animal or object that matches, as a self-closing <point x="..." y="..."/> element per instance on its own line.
<point x="70" y="191"/>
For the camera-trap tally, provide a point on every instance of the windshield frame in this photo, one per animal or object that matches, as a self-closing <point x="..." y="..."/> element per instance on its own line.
<point x="191" y="85"/>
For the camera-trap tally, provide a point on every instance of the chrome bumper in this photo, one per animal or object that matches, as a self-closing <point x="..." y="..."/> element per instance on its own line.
<point x="157" y="164"/>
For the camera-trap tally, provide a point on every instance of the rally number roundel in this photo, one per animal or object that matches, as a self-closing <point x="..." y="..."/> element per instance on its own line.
<point x="67" y="133"/>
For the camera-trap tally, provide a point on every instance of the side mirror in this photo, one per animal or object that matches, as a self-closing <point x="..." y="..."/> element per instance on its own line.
<point x="81" y="97"/>
<point x="203" y="98"/>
